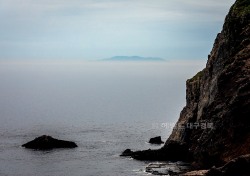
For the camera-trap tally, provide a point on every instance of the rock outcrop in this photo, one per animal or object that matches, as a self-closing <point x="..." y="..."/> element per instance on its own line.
<point x="47" y="142"/>
<point x="214" y="126"/>
<point x="173" y="151"/>
<point x="195" y="173"/>
<point x="167" y="168"/>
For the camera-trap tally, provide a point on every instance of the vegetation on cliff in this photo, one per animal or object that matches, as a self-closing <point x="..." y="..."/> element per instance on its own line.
<point x="196" y="77"/>
<point x="241" y="7"/>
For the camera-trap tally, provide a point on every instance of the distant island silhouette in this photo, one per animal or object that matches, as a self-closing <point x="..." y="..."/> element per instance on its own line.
<point x="133" y="58"/>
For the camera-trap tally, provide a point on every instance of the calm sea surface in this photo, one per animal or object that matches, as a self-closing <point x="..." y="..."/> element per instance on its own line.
<point x="104" y="107"/>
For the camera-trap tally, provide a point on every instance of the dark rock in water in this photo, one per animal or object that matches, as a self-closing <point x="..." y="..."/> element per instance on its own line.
<point x="47" y="142"/>
<point x="127" y="152"/>
<point x="156" y="140"/>
<point x="173" y="152"/>
<point x="239" y="166"/>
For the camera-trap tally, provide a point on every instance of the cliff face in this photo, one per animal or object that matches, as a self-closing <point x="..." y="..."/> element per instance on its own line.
<point x="215" y="123"/>
<point x="214" y="126"/>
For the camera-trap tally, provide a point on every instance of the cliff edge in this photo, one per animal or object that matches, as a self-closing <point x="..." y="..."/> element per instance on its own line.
<point x="217" y="113"/>
<point x="214" y="126"/>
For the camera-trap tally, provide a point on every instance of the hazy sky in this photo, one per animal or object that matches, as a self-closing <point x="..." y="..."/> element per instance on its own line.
<point x="96" y="29"/>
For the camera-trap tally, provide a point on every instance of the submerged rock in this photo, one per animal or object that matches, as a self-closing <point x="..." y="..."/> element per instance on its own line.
<point x="47" y="142"/>
<point x="156" y="140"/>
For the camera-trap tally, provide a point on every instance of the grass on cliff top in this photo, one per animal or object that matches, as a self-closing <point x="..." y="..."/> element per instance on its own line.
<point x="196" y="77"/>
<point x="241" y="7"/>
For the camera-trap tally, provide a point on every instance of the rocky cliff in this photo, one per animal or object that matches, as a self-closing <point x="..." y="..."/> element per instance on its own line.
<point x="217" y="113"/>
<point x="214" y="126"/>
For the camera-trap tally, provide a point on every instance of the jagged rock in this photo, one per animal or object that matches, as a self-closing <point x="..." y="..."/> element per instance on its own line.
<point x="156" y="140"/>
<point x="47" y="142"/>
<point x="127" y="152"/>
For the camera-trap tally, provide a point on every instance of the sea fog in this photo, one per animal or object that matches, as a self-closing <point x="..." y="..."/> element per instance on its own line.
<point x="105" y="107"/>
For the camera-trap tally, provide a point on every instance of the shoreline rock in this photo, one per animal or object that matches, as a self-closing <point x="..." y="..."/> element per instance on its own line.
<point x="167" y="168"/>
<point x="47" y="142"/>
<point x="196" y="173"/>
<point x="173" y="152"/>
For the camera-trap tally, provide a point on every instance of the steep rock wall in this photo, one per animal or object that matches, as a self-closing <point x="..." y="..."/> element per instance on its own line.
<point x="219" y="96"/>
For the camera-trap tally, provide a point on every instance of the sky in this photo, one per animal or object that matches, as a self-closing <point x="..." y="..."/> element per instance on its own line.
<point x="97" y="29"/>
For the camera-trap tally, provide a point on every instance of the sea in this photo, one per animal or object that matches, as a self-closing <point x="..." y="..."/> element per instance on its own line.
<point x="105" y="107"/>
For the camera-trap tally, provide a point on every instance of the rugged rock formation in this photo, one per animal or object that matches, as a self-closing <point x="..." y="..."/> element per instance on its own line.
<point x="167" y="168"/>
<point x="218" y="97"/>
<point x="47" y="142"/>
<point x="214" y="126"/>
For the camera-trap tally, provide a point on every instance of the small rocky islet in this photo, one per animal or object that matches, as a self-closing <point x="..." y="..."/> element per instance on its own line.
<point x="155" y="140"/>
<point x="45" y="142"/>
<point x="215" y="127"/>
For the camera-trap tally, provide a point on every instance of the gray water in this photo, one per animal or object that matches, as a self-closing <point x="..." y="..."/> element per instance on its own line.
<point x="104" y="107"/>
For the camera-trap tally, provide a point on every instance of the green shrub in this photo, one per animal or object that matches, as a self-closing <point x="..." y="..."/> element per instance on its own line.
<point x="241" y="7"/>
<point x="196" y="77"/>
